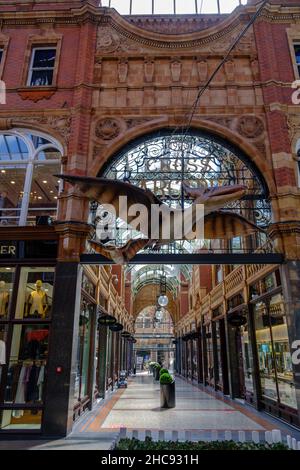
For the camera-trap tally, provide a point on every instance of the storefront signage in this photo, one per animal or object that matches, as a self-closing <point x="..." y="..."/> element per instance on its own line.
<point x="8" y="250"/>
<point x="107" y="320"/>
<point x="116" y="327"/>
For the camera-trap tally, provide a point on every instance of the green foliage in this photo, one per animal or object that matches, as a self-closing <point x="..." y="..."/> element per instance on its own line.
<point x="163" y="371"/>
<point x="149" y="444"/>
<point x="166" y="378"/>
<point x="156" y="365"/>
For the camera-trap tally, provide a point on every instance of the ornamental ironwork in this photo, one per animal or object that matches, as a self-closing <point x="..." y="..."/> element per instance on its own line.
<point x="164" y="161"/>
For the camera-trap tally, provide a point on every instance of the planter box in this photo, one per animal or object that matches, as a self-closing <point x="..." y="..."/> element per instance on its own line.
<point x="156" y="373"/>
<point x="167" y="395"/>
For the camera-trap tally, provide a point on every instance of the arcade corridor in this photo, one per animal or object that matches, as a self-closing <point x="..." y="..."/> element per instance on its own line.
<point x="138" y="407"/>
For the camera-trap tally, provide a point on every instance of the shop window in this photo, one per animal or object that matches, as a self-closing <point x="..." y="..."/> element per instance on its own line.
<point x="43" y="195"/>
<point x="275" y="363"/>
<point x="35" y="293"/>
<point x="28" y="189"/>
<point x="6" y="286"/>
<point x="26" y="376"/>
<point x="82" y="366"/>
<point x="3" y="347"/>
<point x="297" y="55"/>
<point x="12" y="189"/>
<point x="41" y="66"/>
<point x="88" y="286"/>
<point x="247" y="358"/>
<point x="20" y="419"/>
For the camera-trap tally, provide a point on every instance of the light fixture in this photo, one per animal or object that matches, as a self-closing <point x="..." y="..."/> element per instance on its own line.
<point x="3" y="171"/>
<point x="45" y="181"/>
<point x="163" y="300"/>
<point x="13" y="182"/>
<point x="158" y="314"/>
<point x="40" y="197"/>
<point x="55" y="197"/>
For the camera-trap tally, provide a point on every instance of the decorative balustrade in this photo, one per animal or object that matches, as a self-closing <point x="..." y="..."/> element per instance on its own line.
<point x="235" y="280"/>
<point x="216" y="295"/>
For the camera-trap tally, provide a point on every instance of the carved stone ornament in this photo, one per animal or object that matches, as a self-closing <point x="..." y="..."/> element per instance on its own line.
<point x="250" y="127"/>
<point x="149" y="70"/>
<point x="133" y="122"/>
<point x="61" y="124"/>
<point x="107" y="40"/>
<point x="202" y="67"/>
<point x="175" y="70"/>
<point x="107" y="129"/>
<point x="293" y="125"/>
<point x="122" y="70"/>
<point x="230" y="70"/>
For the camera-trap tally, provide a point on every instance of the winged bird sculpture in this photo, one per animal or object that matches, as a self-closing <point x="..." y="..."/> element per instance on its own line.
<point x="218" y="224"/>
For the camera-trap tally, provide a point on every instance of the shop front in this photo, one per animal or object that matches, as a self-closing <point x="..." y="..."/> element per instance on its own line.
<point x="27" y="275"/>
<point x="272" y="349"/>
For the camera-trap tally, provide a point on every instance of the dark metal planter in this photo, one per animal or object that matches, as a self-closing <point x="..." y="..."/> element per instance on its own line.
<point x="167" y="395"/>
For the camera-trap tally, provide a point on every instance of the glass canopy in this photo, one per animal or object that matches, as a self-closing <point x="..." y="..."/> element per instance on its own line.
<point x="171" y="7"/>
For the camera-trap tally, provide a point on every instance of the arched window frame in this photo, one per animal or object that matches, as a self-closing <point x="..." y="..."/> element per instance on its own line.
<point x="298" y="161"/>
<point x="30" y="163"/>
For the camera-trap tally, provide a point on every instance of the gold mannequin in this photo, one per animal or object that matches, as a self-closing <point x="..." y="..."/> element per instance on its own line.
<point x="4" y="299"/>
<point x="37" y="303"/>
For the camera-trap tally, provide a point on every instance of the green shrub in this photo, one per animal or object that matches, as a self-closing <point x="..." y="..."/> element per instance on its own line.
<point x="156" y="365"/>
<point x="166" y="379"/>
<point x="149" y="444"/>
<point x="163" y="371"/>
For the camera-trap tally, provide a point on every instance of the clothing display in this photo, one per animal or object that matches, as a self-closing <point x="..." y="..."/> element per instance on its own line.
<point x="25" y="384"/>
<point x="4" y="299"/>
<point x="37" y="304"/>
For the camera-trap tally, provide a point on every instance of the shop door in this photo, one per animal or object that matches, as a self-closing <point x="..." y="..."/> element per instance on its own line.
<point x="240" y="364"/>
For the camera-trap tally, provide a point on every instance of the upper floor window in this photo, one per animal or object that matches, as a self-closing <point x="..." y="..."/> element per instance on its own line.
<point x="28" y="186"/>
<point x="297" y="54"/>
<point x="41" y="68"/>
<point x="171" y="7"/>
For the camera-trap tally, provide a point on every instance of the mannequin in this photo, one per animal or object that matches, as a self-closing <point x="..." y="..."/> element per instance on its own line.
<point x="37" y="304"/>
<point x="4" y="299"/>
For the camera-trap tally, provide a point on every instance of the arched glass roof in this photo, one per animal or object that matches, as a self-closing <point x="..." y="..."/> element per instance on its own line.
<point x="171" y="7"/>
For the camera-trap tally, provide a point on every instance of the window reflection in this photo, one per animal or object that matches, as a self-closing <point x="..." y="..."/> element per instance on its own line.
<point x="28" y="190"/>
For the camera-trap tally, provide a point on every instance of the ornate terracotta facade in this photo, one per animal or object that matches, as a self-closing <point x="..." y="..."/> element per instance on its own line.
<point x="117" y="79"/>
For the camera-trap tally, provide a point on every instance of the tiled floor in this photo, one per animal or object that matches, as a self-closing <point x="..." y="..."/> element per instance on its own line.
<point x="138" y="407"/>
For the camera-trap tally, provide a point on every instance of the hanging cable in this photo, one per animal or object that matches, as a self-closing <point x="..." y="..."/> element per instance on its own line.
<point x="218" y="68"/>
<point x="185" y="129"/>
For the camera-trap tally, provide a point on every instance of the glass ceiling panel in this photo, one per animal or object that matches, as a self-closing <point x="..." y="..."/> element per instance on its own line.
<point x="170" y="7"/>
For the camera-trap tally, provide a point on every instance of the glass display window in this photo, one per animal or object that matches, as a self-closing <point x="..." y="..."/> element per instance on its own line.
<point x="11" y="193"/>
<point x="247" y="358"/>
<point x="35" y="293"/>
<point x="26" y="371"/>
<point x="3" y="347"/>
<point x="20" y="419"/>
<point x="82" y="367"/>
<point x="88" y="286"/>
<point x="6" y="287"/>
<point x="273" y="347"/>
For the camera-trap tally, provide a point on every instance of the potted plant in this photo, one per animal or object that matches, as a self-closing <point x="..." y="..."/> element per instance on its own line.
<point x="167" y="390"/>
